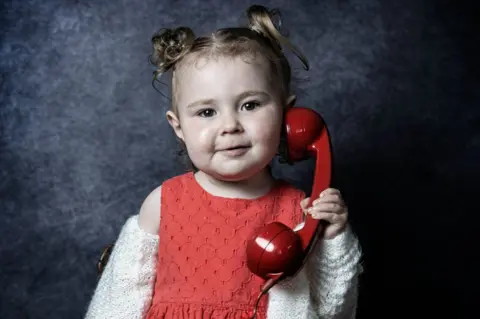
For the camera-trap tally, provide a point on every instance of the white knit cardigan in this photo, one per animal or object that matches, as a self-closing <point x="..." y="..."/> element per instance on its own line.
<point x="326" y="288"/>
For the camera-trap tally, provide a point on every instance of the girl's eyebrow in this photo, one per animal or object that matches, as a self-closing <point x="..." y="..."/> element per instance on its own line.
<point x="251" y="93"/>
<point x="241" y="96"/>
<point x="201" y="102"/>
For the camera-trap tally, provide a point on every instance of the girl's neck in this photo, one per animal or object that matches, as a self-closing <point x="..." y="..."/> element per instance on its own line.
<point x="254" y="187"/>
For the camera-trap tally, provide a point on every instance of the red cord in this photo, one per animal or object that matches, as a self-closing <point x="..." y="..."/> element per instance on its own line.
<point x="266" y="287"/>
<point x="254" y="314"/>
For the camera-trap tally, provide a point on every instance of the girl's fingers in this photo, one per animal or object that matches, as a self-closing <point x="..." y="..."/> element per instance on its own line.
<point x="303" y="203"/>
<point x="329" y="217"/>
<point x="330" y="191"/>
<point x="329" y="207"/>
<point x="331" y="198"/>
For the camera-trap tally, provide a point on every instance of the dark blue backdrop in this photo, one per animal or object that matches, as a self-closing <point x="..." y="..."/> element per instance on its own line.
<point x="83" y="140"/>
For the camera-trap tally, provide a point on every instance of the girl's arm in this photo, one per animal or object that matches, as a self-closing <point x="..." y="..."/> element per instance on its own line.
<point x="332" y="271"/>
<point x="126" y="286"/>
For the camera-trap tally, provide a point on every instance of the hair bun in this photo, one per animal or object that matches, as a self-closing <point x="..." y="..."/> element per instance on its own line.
<point x="169" y="46"/>
<point x="268" y="23"/>
<point x="260" y="20"/>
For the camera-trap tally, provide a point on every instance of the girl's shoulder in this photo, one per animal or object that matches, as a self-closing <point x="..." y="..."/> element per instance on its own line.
<point x="150" y="210"/>
<point x="149" y="215"/>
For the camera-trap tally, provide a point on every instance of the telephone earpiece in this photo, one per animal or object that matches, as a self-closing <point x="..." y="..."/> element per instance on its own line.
<point x="278" y="251"/>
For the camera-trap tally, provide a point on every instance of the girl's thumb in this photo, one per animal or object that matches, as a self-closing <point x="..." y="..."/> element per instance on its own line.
<point x="304" y="202"/>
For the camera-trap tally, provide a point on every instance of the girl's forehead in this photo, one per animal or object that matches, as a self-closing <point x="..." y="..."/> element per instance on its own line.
<point x="220" y="70"/>
<point x="201" y="65"/>
<point x="221" y="79"/>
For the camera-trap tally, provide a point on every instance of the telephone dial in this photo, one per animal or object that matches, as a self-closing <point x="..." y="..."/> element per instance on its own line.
<point x="277" y="251"/>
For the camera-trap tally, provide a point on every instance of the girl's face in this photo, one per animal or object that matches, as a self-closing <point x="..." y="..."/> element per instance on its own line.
<point x="229" y="116"/>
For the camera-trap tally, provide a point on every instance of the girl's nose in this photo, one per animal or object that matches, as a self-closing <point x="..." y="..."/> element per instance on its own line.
<point x="231" y="124"/>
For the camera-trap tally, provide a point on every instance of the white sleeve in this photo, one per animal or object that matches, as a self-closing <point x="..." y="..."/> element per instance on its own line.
<point x="333" y="270"/>
<point x="126" y="286"/>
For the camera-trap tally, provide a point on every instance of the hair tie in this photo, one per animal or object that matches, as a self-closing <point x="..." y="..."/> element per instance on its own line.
<point x="276" y="18"/>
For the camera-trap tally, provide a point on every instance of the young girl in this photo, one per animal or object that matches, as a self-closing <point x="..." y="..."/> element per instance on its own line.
<point x="184" y="254"/>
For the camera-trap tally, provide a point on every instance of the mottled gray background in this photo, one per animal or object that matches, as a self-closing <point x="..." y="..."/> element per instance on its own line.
<point x="83" y="140"/>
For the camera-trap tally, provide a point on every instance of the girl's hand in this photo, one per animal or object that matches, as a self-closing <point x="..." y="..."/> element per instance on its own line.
<point x="329" y="206"/>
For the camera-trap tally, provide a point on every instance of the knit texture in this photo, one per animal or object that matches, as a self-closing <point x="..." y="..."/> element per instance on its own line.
<point x="125" y="288"/>
<point x="202" y="271"/>
<point x="325" y="288"/>
<point x="329" y="293"/>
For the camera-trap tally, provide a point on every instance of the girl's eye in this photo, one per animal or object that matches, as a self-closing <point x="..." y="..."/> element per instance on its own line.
<point x="206" y="113"/>
<point x="249" y="106"/>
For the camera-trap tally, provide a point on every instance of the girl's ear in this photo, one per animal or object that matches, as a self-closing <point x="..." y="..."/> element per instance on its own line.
<point x="174" y="122"/>
<point x="291" y="101"/>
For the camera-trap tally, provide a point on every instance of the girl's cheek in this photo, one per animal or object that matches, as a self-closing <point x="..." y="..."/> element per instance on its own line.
<point x="267" y="128"/>
<point x="203" y="136"/>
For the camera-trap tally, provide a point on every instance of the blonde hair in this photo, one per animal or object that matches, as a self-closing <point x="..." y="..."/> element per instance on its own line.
<point x="171" y="47"/>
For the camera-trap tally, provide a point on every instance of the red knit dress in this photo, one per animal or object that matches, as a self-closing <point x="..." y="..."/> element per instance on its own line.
<point x="201" y="269"/>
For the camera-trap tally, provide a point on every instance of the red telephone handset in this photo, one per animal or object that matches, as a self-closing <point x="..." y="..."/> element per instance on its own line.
<point x="278" y="251"/>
